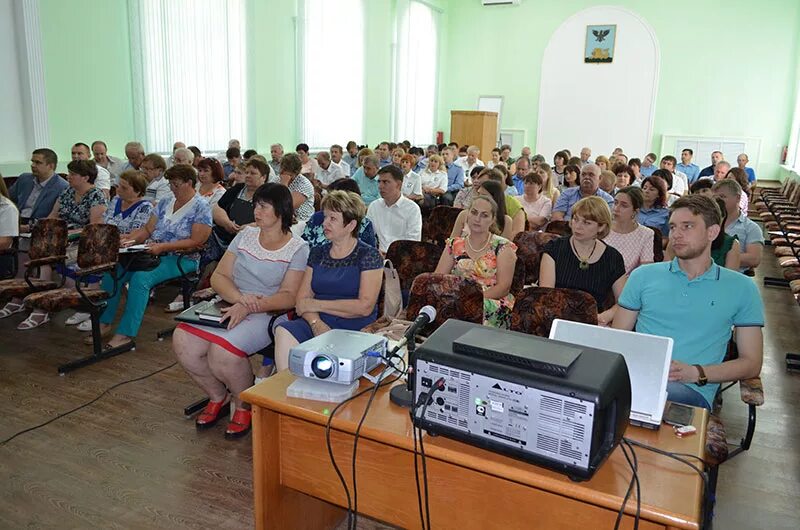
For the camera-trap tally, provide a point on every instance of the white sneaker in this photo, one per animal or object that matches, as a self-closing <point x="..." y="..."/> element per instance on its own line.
<point x="77" y="318"/>
<point x="86" y="325"/>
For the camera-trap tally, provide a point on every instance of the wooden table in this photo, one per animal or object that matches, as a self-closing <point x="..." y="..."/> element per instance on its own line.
<point x="296" y="487"/>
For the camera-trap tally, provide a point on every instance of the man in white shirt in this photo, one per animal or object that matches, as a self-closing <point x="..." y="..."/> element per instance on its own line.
<point x="470" y="162"/>
<point x="80" y="151"/>
<point x="327" y="171"/>
<point x="394" y="216"/>
<point x="106" y="161"/>
<point x="336" y="156"/>
<point x="680" y="182"/>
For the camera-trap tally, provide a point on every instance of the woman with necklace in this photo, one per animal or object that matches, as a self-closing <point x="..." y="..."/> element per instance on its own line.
<point x="583" y="262"/>
<point x="632" y="240"/>
<point x="341" y="282"/>
<point x="259" y="274"/>
<point x="485" y="257"/>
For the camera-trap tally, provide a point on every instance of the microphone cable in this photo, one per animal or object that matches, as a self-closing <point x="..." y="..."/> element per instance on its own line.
<point x="437" y="386"/>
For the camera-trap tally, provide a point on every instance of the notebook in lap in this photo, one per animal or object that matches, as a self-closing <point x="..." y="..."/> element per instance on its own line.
<point x="206" y="313"/>
<point x="648" y="358"/>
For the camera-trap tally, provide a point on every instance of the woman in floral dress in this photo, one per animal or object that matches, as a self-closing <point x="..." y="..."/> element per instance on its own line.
<point x="486" y="258"/>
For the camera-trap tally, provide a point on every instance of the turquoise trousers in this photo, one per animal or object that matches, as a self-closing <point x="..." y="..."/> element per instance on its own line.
<point x="139" y="285"/>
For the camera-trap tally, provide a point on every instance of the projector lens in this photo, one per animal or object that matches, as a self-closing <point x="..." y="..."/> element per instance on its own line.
<point x="322" y="367"/>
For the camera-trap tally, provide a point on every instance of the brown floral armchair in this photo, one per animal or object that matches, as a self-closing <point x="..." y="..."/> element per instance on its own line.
<point x="537" y="307"/>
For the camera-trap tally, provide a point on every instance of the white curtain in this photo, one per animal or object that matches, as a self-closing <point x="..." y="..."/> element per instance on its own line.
<point x="332" y="82"/>
<point x="415" y="88"/>
<point x="189" y="60"/>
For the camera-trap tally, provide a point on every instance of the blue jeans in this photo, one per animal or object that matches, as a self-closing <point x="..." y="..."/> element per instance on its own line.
<point x="680" y="393"/>
<point x="139" y="285"/>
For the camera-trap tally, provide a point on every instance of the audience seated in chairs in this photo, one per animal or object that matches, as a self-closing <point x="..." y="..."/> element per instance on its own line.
<point x="485" y="257"/>
<point x="9" y="232"/>
<point x="314" y="232"/>
<point x="179" y="224"/>
<point x="487" y="188"/>
<point x="582" y="261"/>
<point x="537" y="206"/>
<point x="342" y="280"/>
<point x="79" y="205"/>
<point x="259" y="275"/>
<point x="129" y="210"/>
<point x="749" y="234"/>
<point x="654" y="210"/>
<point x="301" y="188"/>
<point x="394" y="216"/>
<point x="656" y="300"/>
<point x="632" y="240"/>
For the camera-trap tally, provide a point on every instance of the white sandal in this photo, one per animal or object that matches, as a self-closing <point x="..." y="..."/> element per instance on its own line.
<point x="11" y="308"/>
<point x="31" y="322"/>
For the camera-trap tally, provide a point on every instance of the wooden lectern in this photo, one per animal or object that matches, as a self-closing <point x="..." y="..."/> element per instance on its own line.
<point x="474" y="127"/>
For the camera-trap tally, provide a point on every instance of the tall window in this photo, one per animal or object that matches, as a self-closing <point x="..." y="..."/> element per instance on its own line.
<point x="332" y="84"/>
<point x="188" y="62"/>
<point x="415" y="90"/>
<point x="793" y="155"/>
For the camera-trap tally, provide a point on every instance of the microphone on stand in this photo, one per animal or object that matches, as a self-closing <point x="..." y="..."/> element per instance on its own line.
<point x="403" y="395"/>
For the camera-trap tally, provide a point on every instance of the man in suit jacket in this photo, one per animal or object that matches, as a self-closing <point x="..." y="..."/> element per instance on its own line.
<point x="35" y="193"/>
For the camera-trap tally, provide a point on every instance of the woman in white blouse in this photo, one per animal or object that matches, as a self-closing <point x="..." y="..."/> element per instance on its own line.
<point x="412" y="183"/>
<point x="434" y="181"/>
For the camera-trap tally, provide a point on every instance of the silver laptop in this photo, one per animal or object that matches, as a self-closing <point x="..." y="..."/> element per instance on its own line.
<point x="648" y="358"/>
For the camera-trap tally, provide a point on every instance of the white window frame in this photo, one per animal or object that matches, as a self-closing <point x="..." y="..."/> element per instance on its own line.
<point x="399" y="131"/>
<point x="338" y="72"/>
<point x="238" y="122"/>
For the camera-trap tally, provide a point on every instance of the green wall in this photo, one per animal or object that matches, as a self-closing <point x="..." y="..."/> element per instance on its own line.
<point x="727" y="66"/>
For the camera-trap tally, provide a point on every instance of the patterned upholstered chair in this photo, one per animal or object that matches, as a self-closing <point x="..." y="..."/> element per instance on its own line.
<point x="48" y="247"/>
<point x="452" y="296"/>
<point x="536" y="309"/>
<point x="98" y="251"/>
<point x="438" y="226"/>
<point x="529" y="251"/>
<point x="558" y="227"/>
<point x="412" y="258"/>
<point x="8" y="260"/>
<point x="518" y="281"/>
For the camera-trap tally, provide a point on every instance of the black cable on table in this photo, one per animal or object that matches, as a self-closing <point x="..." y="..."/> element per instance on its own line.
<point x="437" y="386"/>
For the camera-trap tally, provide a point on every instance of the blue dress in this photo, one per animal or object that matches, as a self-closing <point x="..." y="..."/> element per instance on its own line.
<point x="337" y="279"/>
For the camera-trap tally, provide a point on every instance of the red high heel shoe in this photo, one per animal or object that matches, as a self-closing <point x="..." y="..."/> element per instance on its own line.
<point x="240" y="424"/>
<point x="212" y="413"/>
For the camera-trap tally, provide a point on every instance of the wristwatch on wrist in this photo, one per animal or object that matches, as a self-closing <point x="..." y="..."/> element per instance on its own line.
<point x="702" y="380"/>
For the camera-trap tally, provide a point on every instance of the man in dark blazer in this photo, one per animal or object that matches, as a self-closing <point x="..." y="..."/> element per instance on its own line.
<point x="35" y="193"/>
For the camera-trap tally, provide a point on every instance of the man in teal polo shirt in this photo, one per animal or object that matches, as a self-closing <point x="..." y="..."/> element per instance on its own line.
<point x="696" y="303"/>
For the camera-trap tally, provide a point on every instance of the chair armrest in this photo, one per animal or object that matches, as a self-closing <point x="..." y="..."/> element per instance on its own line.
<point x="752" y="391"/>
<point x="49" y="260"/>
<point x="95" y="269"/>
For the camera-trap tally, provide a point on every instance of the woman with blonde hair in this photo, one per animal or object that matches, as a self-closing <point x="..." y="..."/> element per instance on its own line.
<point x="485" y="257"/>
<point x="602" y="162"/>
<point x="341" y="282"/>
<point x="583" y="261"/>
<point x="549" y="189"/>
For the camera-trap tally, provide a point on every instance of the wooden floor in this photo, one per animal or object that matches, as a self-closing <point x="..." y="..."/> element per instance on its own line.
<point x="131" y="460"/>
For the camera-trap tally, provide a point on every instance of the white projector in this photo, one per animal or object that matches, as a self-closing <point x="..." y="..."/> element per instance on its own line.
<point x="338" y="356"/>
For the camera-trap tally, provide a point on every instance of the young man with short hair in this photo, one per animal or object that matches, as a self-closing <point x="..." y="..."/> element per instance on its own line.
<point x="336" y="157"/>
<point x="394" y="216"/>
<point x="696" y="303"/>
<point x="749" y="234"/>
<point x="692" y="171"/>
<point x="709" y="171"/>
<point x="648" y="165"/>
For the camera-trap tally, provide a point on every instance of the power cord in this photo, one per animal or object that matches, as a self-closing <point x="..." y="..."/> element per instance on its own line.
<point x="79" y="407"/>
<point x="633" y="462"/>
<point x="330" y="447"/>
<point x="358" y="432"/>
<point x="436" y="387"/>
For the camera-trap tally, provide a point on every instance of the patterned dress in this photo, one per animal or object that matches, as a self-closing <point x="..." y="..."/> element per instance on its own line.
<point x="496" y="313"/>
<point x="77" y="214"/>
